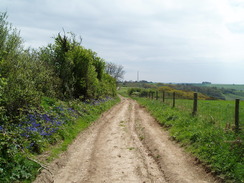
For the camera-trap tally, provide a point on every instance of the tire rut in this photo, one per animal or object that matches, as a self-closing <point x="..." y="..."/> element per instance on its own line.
<point x="124" y="145"/>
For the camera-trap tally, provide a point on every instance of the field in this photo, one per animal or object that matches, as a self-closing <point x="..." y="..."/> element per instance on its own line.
<point x="238" y="93"/>
<point x="226" y="86"/>
<point x="219" y="112"/>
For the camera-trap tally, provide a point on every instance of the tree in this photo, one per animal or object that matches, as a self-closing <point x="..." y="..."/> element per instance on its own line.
<point x="116" y="71"/>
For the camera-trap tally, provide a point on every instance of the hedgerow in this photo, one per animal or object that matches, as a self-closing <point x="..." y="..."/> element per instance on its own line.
<point x="43" y="93"/>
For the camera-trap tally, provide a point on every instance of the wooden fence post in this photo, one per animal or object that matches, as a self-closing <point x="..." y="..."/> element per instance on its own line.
<point x="194" y="112"/>
<point x="156" y="95"/>
<point x="237" y="107"/>
<point x="173" y="99"/>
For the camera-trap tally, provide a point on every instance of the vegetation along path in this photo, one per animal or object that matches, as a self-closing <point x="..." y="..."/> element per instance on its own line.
<point x="124" y="145"/>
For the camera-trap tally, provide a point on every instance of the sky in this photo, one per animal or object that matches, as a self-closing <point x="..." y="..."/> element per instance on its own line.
<point x="177" y="41"/>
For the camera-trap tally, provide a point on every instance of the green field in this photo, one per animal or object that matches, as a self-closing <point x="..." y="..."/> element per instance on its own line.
<point x="238" y="93"/>
<point x="219" y="112"/>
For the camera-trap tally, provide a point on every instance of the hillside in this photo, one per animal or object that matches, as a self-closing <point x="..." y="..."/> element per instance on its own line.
<point x="214" y="91"/>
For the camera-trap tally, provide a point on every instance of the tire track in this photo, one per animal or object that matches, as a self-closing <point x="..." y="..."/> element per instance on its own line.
<point x="124" y="145"/>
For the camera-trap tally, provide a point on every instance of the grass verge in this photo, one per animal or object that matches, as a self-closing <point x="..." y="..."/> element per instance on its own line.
<point x="220" y="150"/>
<point x="80" y="124"/>
<point x="42" y="134"/>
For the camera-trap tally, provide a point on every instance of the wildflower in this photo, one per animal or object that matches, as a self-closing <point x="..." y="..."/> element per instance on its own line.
<point x="58" y="123"/>
<point x="46" y="117"/>
<point x="32" y="118"/>
<point x="35" y="124"/>
<point x="25" y="135"/>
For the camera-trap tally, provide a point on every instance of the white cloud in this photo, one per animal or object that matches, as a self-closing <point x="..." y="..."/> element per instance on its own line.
<point x="141" y="33"/>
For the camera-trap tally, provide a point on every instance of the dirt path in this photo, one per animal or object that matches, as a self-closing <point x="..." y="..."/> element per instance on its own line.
<point x="124" y="145"/>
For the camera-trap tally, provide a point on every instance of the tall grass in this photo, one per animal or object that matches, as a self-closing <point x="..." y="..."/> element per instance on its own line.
<point x="205" y="136"/>
<point x="219" y="112"/>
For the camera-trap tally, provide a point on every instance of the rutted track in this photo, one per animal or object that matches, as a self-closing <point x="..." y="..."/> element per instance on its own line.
<point x="124" y="145"/>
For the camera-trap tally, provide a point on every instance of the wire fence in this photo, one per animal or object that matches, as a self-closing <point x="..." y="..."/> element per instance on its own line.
<point x="226" y="114"/>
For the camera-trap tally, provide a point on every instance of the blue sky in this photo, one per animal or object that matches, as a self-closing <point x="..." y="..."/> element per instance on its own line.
<point x="165" y="40"/>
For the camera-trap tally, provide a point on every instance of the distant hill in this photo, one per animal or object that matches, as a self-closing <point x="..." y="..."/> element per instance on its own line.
<point x="214" y="91"/>
<point x="225" y="86"/>
<point x="229" y="91"/>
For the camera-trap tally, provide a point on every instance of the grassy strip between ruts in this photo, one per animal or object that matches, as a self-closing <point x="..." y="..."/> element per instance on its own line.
<point x="220" y="150"/>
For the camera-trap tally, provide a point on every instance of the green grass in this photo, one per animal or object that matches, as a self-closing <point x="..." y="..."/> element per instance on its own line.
<point x="219" y="112"/>
<point x="123" y="91"/>
<point x="72" y="131"/>
<point x="220" y="149"/>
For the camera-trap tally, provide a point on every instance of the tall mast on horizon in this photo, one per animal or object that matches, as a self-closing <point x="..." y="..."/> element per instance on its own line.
<point x="137" y="76"/>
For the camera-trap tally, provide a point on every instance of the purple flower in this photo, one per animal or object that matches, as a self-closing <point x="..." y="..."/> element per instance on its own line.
<point x="32" y="118"/>
<point x="60" y="108"/>
<point x="25" y="135"/>
<point x="46" y="117"/>
<point x="58" y="123"/>
<point x="35" y="125"/>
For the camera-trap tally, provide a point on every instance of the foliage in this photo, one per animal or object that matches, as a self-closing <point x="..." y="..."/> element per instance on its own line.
<point x="116" y="71"/>
<point x="39" y="129"/>
<point x="181" y="93"/>
<point x="213" y="91"/>
<point x="209" y="91"/>
<point x="46" y="95"/>
<point x="64" y="70"/>
<point x="221" y="149"/>
<point x="27" y="81"/>
<point x="142" y="92"/>
<point x="81" y="71"/>
<point x="10" y="42"/>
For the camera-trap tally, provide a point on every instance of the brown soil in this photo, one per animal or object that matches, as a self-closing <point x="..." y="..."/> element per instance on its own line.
<point x="125" y="145"/>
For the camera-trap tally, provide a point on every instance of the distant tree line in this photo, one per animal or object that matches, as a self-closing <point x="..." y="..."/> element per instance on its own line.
<point x="211" y="92"/>
<point x="214" y="92"/>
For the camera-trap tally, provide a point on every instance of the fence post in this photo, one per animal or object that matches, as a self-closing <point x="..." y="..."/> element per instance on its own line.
<point x="173" y="99"/>
<point x="152" y="95"/>
<point x="156" y="95"/>
<point x="163" y="96"/>
<point x="194" y="112"/>
<point x="237" y="107"/>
